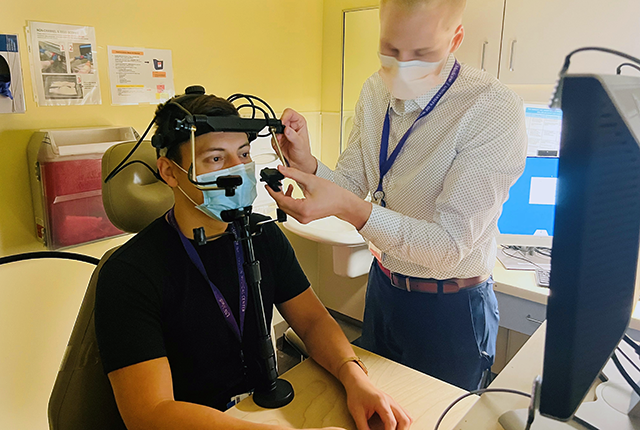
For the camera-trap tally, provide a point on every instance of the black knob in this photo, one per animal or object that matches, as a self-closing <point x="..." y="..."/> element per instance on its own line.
<point x="195" y="89"/>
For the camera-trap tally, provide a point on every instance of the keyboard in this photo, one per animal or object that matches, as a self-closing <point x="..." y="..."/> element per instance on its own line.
<point x="542" y="277"/>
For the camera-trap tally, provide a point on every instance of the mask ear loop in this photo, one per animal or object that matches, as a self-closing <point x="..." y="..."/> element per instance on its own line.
<point x="187" y="196"/>
<point x="179" y="187"/>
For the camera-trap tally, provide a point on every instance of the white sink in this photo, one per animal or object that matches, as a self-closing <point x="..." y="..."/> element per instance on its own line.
<point x="351" y="256"/>
<point x="330" y="230"/>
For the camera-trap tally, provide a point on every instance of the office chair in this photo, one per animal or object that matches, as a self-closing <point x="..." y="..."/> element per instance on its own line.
<point x="82" y="397"/>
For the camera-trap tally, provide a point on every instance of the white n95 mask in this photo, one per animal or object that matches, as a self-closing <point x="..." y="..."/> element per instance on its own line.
<point x="408" y="80"/>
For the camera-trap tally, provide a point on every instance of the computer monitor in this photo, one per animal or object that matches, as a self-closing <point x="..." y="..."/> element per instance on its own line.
<point x="596" y="237"/>
<point x="528" y="215"/>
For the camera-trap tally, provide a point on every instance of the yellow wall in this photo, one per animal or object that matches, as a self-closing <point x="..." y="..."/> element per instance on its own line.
<point x="332" y="74"/>
<point x="271" y="48"/>
<point x="336" y="292"/>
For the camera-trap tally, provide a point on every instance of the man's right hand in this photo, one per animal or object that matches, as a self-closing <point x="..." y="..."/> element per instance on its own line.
<point x="295" y="142"/>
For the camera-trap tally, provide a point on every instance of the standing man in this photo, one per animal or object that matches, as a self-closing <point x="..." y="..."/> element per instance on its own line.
<point x="437" y="145"/>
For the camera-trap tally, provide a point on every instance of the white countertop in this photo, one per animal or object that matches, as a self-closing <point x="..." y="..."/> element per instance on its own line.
<point x="522" y="284"/>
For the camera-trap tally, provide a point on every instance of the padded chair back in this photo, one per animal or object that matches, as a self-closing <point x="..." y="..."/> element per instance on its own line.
<point x="82" y="397"/>
<point x="134" y="197"/>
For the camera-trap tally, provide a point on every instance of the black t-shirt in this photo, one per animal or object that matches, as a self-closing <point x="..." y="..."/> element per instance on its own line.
<point x="152" y="302"/>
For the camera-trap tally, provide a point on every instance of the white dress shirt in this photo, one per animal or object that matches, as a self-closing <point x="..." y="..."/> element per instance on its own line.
<point x="445" y="191"/>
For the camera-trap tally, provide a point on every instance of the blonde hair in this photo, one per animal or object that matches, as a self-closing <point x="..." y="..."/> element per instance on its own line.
<point x="457" y="6"/>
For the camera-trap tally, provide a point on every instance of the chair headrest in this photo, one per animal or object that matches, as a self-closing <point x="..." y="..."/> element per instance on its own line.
<point x="134" y="197"/>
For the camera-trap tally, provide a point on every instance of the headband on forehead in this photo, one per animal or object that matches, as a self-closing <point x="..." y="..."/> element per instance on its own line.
<point x="216" y="120"/>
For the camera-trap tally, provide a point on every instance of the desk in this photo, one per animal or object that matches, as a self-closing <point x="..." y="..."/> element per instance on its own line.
<point x="320" y="400"/>
<point x="521" y="284"/>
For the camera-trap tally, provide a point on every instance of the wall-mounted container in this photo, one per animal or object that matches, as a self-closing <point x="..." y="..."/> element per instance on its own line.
<point x="66" y="188"/>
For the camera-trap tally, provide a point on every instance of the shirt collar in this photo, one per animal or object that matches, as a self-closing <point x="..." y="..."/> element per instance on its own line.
<point x="406" y="106"/>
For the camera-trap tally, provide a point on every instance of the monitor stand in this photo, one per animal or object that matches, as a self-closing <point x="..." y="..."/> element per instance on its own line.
<point x="617" y="407"/>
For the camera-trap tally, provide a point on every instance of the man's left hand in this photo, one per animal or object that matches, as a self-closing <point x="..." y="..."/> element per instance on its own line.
<point x="323" y="198"/>
<point x="364" y="400"/>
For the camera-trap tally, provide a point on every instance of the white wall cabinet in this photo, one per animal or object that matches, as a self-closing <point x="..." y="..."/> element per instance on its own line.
<point x="539" y="34"/>
<point x="483" y="31"/>
<point x="524" y="42"/>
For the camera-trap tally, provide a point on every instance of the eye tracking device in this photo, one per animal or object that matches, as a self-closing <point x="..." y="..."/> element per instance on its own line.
<point x="187" y="126"/>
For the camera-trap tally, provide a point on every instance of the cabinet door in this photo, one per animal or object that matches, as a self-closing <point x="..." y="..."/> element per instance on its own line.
<point x="483" y="24"/>
<point x="538" y="34"/>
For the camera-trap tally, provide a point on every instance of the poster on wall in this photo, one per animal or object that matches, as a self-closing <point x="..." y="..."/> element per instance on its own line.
<point x="63" y="64"/>
<point x="140" y="75"/>
<point x="11" y="87"/>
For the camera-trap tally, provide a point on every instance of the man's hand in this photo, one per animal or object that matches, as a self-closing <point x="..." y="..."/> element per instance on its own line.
<point x="364" y="400"/>
<point x="295" y="142"/>
<point x="322" y="199"/>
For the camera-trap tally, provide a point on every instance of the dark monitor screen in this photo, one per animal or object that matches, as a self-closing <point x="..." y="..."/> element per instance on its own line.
<point x="596" y="236"/>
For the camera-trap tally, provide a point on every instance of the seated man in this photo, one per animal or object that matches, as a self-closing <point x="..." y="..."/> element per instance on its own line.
<point x="173" y="359"/>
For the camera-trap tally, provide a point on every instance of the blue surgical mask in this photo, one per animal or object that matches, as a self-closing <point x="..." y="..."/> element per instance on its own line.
<point x="215" y="201"/>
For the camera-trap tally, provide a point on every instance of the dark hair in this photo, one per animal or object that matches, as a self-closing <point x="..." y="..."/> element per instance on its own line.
<point x="197" y="104"/>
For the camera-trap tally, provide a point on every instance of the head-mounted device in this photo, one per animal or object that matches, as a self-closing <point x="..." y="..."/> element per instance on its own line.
<point x="188" y="126"/>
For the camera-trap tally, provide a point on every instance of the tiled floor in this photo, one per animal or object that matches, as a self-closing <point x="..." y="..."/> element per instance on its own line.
<point x="288" y="357"/>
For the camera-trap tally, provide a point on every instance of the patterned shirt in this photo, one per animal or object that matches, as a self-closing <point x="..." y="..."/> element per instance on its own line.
<point x="445" y="191"/>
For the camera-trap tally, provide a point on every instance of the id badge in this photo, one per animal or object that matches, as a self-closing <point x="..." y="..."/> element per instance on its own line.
<point x="237" y="399"/>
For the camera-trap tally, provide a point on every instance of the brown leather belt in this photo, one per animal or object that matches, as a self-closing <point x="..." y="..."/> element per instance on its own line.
<point x="422" y="285"/>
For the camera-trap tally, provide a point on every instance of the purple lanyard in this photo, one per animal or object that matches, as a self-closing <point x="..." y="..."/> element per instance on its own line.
<point x="222" y="303"/>
<point x="386" y="163"/>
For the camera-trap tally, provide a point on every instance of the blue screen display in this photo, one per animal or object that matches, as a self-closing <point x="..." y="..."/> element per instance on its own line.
<point x="531" y="204"/>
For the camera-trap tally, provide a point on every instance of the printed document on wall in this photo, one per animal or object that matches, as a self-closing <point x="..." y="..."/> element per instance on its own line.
<point x="64" y="65"/>
<point x="11" y="87"/>
<point x="140" y="75"/>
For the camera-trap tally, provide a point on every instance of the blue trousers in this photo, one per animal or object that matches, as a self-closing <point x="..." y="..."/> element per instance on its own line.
<point x="451" y="337"/>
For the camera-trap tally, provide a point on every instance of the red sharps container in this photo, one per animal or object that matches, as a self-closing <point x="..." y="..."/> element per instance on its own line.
<point x="66" y="188"/>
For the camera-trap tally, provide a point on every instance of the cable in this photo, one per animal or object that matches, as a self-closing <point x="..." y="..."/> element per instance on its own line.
<point x="49" y="254"/>
<point x="628" y="359"/>
<point x="634" y="66"/>
<point x="557" y="93"/>
<point x="632" y="343"/>
<point x="120" y="166"/>
<point x="624" y="373"/>
<point x="505" y="248"/>
<point x="543" y="251"/>
<point x="153" y="172"/>
<point x="250" y="98"/>
<point x="254" y="107"/>
<point x="478" y="392"/>
<point x="567" y="60"/>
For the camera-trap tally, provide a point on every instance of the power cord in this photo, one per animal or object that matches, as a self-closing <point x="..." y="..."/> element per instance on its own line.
<point x="480" y="392"/>
<point x="633" y="66"/>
